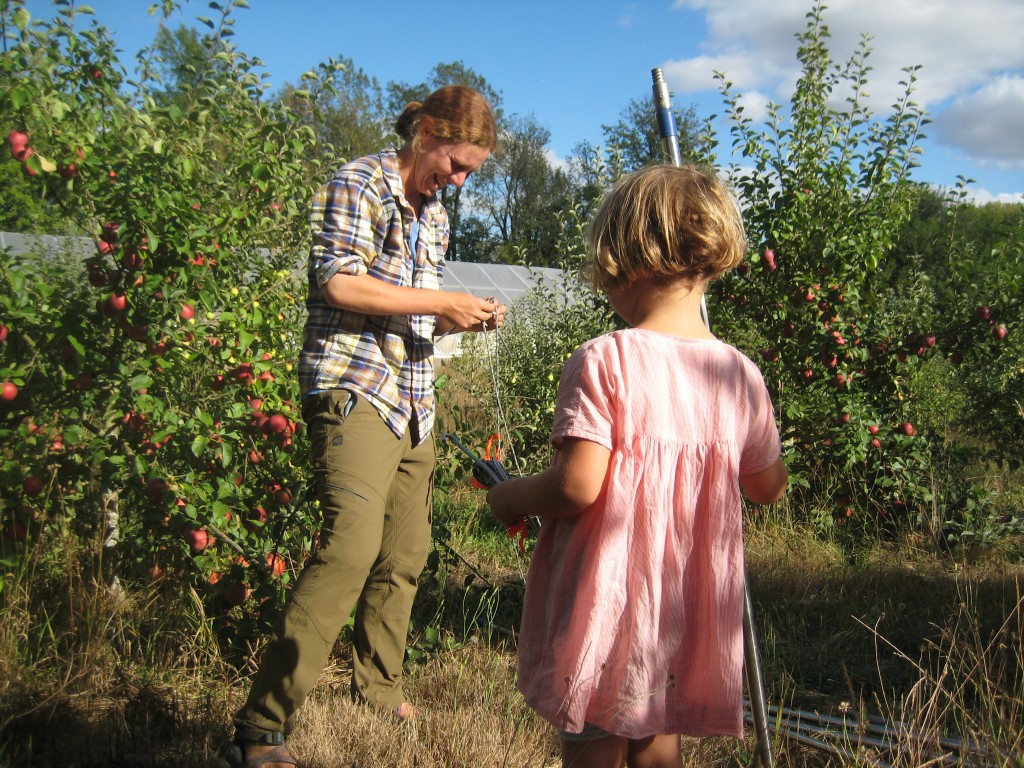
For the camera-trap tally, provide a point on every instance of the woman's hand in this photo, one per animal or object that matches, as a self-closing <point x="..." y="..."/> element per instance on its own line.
<point x="465" y="312"/>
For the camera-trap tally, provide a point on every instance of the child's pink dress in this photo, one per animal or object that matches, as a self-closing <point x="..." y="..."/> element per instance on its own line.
<point x="633" y="612"/>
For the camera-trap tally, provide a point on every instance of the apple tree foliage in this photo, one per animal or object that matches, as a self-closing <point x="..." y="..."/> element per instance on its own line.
<point x="826" y="190"/>
<point x="157" y="372"/>
<point x="887" y="379"/>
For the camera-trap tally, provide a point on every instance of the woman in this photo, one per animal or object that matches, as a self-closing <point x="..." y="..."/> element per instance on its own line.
<point x="380" y="234"/>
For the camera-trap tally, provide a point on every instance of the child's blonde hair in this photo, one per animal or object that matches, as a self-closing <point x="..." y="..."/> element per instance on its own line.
<point x="665" y="221"/>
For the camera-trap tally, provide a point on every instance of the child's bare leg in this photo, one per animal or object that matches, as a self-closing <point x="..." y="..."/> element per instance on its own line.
<point x="662" y="751"/>
<point x="609" y="752"/>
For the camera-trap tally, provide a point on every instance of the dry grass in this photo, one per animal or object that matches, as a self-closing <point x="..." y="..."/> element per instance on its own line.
<point x="90" y="679"/>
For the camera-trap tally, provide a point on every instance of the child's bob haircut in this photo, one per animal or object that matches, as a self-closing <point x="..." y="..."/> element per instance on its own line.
<point x="665" y="222"/>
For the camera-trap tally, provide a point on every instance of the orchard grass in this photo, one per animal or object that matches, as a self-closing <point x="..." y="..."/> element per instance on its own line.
<point x="94" y="677"/>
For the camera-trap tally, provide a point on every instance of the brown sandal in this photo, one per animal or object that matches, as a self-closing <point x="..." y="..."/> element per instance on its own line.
<point x="236" y="751"/>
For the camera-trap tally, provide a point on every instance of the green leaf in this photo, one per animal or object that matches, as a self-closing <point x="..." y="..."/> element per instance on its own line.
<point x="77" y="345"/>
<point x="199" y="445"/>
<point x="245" y="339"/>
<point x="22" y="19"/>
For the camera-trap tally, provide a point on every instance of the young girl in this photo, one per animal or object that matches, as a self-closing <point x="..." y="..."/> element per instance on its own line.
<point x="632" y="623"/>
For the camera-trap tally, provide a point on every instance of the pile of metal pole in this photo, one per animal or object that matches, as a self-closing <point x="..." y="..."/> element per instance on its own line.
<point x="874" y="741"/>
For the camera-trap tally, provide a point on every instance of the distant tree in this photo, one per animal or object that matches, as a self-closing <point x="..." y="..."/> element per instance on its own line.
<point x="519" y="194"/>
<point x="630" y="143"/>
<point x="179" y="61"/>
<point x="450" y="73"/>
<point x="943" y="227"/>
<point x="636" y="139"/>
<point x="350" y="115"/>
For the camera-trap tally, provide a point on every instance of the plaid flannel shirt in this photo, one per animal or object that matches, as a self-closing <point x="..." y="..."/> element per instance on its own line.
<point x="361" y="223"/>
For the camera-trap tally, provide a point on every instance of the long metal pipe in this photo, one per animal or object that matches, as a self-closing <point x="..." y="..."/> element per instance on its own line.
<point x="844" y="737"/>
<point x="751" y="655"/>
<point x="882" y="727"/>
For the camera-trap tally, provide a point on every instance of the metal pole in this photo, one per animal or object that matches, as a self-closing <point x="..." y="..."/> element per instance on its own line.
<point x="670" y="141"/>
<point x="751" y="655"/>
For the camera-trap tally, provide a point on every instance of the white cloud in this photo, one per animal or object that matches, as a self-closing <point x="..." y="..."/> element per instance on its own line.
<point x="988" y="124"/>
<point x="556" y="162"/>
<point x="970" y="55"/>
<point x="983" y="196"/>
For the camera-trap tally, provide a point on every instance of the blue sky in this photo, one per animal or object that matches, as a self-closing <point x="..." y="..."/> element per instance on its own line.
<point x="576" y="65"/>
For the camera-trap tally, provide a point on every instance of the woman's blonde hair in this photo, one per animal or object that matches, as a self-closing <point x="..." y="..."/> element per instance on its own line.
<point x="665" y="221"/>
<point x="454" y="114"/>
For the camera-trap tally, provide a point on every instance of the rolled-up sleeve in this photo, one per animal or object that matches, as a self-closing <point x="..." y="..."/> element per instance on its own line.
<point x="345" y="219"/>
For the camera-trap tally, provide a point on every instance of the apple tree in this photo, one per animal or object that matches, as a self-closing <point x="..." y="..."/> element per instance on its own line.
<point x="155" y="385"/>
<point x="826" y="190"/>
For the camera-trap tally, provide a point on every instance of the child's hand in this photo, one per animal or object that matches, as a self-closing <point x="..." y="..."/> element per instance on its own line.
<point x="501" y="499"/>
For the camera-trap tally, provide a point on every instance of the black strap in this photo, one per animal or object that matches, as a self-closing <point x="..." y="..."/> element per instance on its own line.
<point x="273" y="738"/>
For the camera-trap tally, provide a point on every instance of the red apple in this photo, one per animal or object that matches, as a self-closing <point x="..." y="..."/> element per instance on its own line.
<point x="32" y="486"/>
<point x="131" y="259"/>
<point x="235" y="593"/>
<point x="197" y="538"/>
<point x="907" y="429"/>
<point x="278" y="422"/>
<point x="187" y="312"/>
<point x="15" y="532"/>
<point x="117" y="301"/>
<point x="18" y="143"/>
<point x="873" y="429"/>
<point x="97" y="275"/>
<point x="1000" y="332"/>
<point x="9" y="391"/>
<point x="68" y="171"/>
<point x="82" y="382"/>
<point x="769" y="260"/>
<point x="109" y="232"/>
<point x="155" y="489"/>
<point x="243" y="372"/>
<point x="3" y="333"/>
<point x="276" y="563"/>
<point x="876" y="442"/>
<point x="983" y="312"/>
<point x="256" y="515"/>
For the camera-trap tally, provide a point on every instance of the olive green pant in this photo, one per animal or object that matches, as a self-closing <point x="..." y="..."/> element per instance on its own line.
<point x="375" y="495"/>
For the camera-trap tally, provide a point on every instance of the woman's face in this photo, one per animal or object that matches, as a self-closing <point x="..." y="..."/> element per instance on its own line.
<point x="440" y="164"/>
